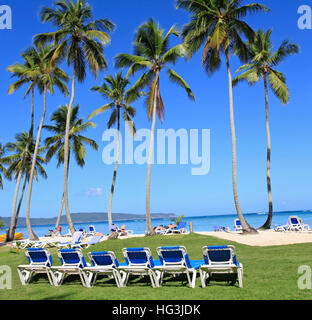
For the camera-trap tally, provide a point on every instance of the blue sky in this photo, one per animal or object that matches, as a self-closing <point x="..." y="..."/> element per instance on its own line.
<point x="174" y="189"/>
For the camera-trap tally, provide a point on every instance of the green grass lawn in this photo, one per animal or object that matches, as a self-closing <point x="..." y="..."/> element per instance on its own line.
<point x="270" y="273"/>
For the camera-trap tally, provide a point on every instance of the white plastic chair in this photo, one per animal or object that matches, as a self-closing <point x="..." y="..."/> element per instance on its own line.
<point x="104" y="263"/>
<point x="175" y="260"/>
<point x="40" y="261"/>
<point x="221" y="260"/>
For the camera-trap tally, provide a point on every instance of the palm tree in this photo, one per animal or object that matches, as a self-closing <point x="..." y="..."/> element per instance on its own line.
<point x="80" y="39"/>
<point x="152" y="54"/>
<point x="218" y="25"/>
<point x="114" y="90"/>
<point x="55" y="143"/>
<point x="27" y="75"/>
<point x="49" y="76"/>
<point x="262" y="65"/>
<point x="3" y="170"/>
<point x="20" y="163"/>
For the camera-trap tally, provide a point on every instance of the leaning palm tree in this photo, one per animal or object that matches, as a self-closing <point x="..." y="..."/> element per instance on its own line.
<point x="153" y="54"/>
<point x="80" y="39"/>
<point x="19" y="164"/>
<point x="3" y="170"/>
<point x="77" y="141"/>
<point x="49" y="76"/>
<point x="26" y="74"/>
<point x="115" y="90"/>
<point x="218" y="26"/>
<point x="262" y="65"/>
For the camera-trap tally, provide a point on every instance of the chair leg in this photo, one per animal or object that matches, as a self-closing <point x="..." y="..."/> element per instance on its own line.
<point x="83" y="278"/>
<point x="58" y="278"/>
<point x="194" y="278"/>
<point x="155" y="279"/>
<point x="88" y="275"/>
<point x="240" y="277"/>
<point x="50" y="276"/>
<point x="151" y="275"/>
<point x="23" y="275"/>
<point x="125" y="278"/>
<point x="117" y="278"/>
<point x="160" y="277"/>
<point x="202" y="278"/>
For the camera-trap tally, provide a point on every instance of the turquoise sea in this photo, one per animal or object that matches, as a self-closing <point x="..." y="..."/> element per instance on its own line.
<point x="200" y="223"/>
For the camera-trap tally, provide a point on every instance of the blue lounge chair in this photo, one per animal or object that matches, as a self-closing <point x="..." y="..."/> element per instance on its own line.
<point x="92" y="230"/>
<point x="139" y="261"/>
<point x="84" y="245"/>
<point x="181" y="228"/>
<point x="104" y="263"/>
<point x="237" y="225"/>
<point x="73" y="262"/>
<point x="76" y="239"/>
<point x="295" y="224"/>
<point x="175" y="260"/>
<point x="40" y="261"/>
<point x="221" y="264"/>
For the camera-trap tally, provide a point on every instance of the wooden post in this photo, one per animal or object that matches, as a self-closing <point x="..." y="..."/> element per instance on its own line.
<point x="191" y="227"/>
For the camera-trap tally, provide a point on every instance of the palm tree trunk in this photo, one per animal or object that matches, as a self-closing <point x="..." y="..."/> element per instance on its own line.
<point x="13" y="224"/>
<point x="149" y="227"/>
<point x="20" y="202"/>
<point x="267" y="224"/>
<point x="11" y="231"/>
<point x="110" y="219"/>
<point x="58" y="220"/>
<point x="31" y="233"/>
<point x="66" y="156"/>
<point x="245" y="226"/>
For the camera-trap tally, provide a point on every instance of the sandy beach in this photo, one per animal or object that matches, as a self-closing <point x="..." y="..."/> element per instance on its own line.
<point x="262" y="239"/>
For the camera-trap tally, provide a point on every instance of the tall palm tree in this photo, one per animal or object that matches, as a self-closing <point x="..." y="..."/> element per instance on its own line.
<point x="20" y="163"/>
<point x="49" y="76"/>
<point x="218" y="26"/>
<point x="3" y="170"/>
<point x="262" y="65"/>
<point x="77" y="141"/>
<point x="115" y="90"/>
<point x="153" y="54"/>
<point x="27" y="75"/>
<point x="80" y="39"/>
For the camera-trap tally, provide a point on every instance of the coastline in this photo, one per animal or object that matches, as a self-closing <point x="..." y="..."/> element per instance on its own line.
<point x="262" y="239"/>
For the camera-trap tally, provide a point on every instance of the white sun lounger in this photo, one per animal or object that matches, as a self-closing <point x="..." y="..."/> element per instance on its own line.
<point x="175" y="260"/>
<point x="295" y="224"/>
<point x="40" y="261"/>
<point x="237" y="225"/>
<point x="73" y="262"/>
<point x="139" y="261"/>
<point x="221" y="264"/>
<point x="84" y="245"/>
<point x="103" y="263"/>
<point x="76" y="239"/>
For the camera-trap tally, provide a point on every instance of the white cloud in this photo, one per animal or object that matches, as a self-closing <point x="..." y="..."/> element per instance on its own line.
<point x="94" y="192"/>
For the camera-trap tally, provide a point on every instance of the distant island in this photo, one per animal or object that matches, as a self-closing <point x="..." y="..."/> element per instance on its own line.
<point x="87" y="217"/>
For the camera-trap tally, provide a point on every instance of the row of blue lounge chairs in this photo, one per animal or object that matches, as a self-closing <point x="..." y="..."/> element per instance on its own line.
<point x="219" y="263"/>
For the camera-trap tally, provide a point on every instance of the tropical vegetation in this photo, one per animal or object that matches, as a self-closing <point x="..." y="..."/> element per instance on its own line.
<point x="263" y="62"/>
<point x="153" y="54"/>
<point x="77" y="142"/>
<point x="19" y="164"/>
<point x="115" y="90"/>
<point x="218" y="27"/>
<point x="80" y="40"/>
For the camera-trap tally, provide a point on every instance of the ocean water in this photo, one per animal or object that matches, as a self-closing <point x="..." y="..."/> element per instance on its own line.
<point x="200" y="223"/>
